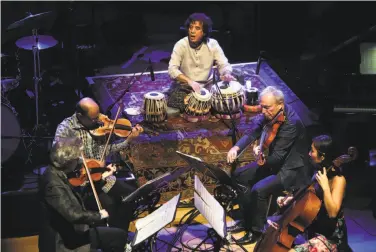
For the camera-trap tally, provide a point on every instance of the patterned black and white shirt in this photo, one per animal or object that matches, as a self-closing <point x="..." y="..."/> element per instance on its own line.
<point x="93" y="146"/>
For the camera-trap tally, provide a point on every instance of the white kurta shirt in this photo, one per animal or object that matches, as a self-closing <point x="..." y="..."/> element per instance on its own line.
<point x="197" y="64"/>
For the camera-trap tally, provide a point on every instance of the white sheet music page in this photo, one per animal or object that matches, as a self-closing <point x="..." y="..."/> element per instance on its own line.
<point x="210" y="208"/>
<point x="157" y="220"/>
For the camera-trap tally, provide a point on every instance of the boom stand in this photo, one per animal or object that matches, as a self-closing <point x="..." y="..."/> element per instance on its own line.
<point x="233" y="129"/>
<point x="37" y="78"/>
<point x="108" y="110"/>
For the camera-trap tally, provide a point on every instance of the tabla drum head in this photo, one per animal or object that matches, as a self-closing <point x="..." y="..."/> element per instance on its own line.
<point x="204" y="95"/>
<point x="154" y="95"/>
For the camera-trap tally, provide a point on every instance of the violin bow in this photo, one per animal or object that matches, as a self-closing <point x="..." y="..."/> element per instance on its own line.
<point x="112" y="130"/>
<point x="92" y="184"/>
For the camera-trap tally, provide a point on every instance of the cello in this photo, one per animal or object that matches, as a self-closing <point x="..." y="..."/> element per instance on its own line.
<point x="298" y="214"/>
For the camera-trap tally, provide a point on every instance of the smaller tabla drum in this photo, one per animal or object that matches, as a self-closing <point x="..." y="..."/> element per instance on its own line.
<point x="197" y="106"/>
<point x="155" y="107"/>
<point x="230" y="98"/>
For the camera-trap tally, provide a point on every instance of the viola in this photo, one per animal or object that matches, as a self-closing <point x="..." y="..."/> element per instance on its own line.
<point x="92" y="184"/>
<point x="268" y="134"/>
<point x="96" y="168"/>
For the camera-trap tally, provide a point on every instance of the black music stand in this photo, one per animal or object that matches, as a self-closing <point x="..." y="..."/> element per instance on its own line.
<point x="154" y="184"/>
<point x="209" y="170"/>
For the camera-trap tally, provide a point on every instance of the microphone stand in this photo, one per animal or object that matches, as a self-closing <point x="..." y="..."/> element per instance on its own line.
<point x="259" y="62"/>
<point x="233" y="129"/>
<point x="130" y="83"/>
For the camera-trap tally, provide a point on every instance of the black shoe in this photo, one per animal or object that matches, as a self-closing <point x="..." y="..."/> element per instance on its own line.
<point x="249" y="238"/>
<point x="236" y="228"/>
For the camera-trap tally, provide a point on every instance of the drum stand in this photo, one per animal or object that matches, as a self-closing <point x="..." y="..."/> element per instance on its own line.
<point x="233" y="129"/>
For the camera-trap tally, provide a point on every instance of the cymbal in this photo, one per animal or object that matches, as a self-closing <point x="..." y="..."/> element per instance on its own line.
<point x="31" y="21"/>
<point x="44" y="42"/>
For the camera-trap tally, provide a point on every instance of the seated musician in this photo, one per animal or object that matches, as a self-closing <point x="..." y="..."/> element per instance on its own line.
<point x="192" y="60"/>
<point x="282" y="169"/>
<point x="109" y="189"/>
<point x="328" y="232"/>
<point x="65" y="221"/>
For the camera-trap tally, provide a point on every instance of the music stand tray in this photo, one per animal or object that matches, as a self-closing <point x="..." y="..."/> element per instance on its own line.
<point x="154" y="222"/>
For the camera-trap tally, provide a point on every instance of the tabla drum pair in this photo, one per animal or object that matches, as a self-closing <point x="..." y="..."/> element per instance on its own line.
<point x="229" y="98"/>
<point x="155" y="107"/>
<point x="197" y="106"/>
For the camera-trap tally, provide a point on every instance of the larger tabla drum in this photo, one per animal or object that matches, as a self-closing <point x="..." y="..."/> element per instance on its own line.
<point x="229" y="98"/>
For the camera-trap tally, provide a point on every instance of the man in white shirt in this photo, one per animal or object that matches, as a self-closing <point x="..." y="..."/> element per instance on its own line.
<point x="192" y="60"/>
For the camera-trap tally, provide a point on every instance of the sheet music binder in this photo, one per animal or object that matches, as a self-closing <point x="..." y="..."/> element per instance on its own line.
<point x="154" y="222"/>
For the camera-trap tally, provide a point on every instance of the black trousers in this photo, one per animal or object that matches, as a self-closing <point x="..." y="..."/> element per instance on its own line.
<point x="108" y="239"/>
<point x="253" y="203"/>
<point x="120" y="214"/>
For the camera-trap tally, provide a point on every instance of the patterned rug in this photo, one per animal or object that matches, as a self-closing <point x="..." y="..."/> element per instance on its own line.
<point x="153" y="155"/>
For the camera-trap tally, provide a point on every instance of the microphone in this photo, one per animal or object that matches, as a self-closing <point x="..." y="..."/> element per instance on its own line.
<point x="151" y="71"/>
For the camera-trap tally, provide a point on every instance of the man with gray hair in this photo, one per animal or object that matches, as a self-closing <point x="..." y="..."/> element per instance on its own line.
<point x="282" y="169"/>
<point x="66" y="222"/>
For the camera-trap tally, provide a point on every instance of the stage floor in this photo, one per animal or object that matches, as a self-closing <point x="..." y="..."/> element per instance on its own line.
<point x="153" y="155"/>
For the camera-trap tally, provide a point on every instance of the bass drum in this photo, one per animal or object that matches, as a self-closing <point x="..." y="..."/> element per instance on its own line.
<point x="10" y="127"/>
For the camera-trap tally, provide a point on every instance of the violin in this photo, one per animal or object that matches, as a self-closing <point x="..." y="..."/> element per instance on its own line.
<point x="122" y="128"/>
<point x="268" y="135"/>
<point x="80" y="177"/>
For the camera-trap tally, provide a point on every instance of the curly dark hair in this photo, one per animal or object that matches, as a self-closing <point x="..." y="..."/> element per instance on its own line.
<point x="206" y="21"/>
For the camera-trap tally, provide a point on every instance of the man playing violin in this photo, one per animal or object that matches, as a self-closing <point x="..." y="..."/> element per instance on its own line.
<point x="66" y="222"/>
<point x="280" y="170"/>
<point x="110" y="190"/>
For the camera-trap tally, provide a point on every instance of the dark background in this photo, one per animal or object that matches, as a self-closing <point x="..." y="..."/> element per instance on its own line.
<point x="287" y="31"/>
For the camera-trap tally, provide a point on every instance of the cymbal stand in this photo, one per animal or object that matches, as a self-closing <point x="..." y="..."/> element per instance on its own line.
<point x="37" y="77"/>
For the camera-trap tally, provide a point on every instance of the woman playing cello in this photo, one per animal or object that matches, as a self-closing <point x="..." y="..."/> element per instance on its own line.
<point x="328" y="231"/>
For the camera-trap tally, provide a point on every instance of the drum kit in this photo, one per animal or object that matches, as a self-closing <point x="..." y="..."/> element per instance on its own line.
<point x="11" y="76"/>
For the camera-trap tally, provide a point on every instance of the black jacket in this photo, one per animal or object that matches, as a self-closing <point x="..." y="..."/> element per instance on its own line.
<point x="65" y="221"/>
<point x="288" y="151"/>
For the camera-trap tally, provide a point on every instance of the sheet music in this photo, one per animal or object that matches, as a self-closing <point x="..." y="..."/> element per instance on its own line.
<point x="155" y="221"/>
<point x="210" y="208"/>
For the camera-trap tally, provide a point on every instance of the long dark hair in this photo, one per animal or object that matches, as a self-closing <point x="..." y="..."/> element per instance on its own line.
<point x="325" y="148"/>
<point x="207" y="24"/>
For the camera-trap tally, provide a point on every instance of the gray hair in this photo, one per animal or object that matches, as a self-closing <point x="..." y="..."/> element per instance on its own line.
<point x="278" y="94"/>
<point x="65" y="150"/>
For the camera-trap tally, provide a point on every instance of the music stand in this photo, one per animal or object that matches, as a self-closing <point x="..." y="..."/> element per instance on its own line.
<point x="209" y="170"/>
<point x="150" y="225"/>
<point x="215" y="214"/>
<point x="154" y="184"/>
